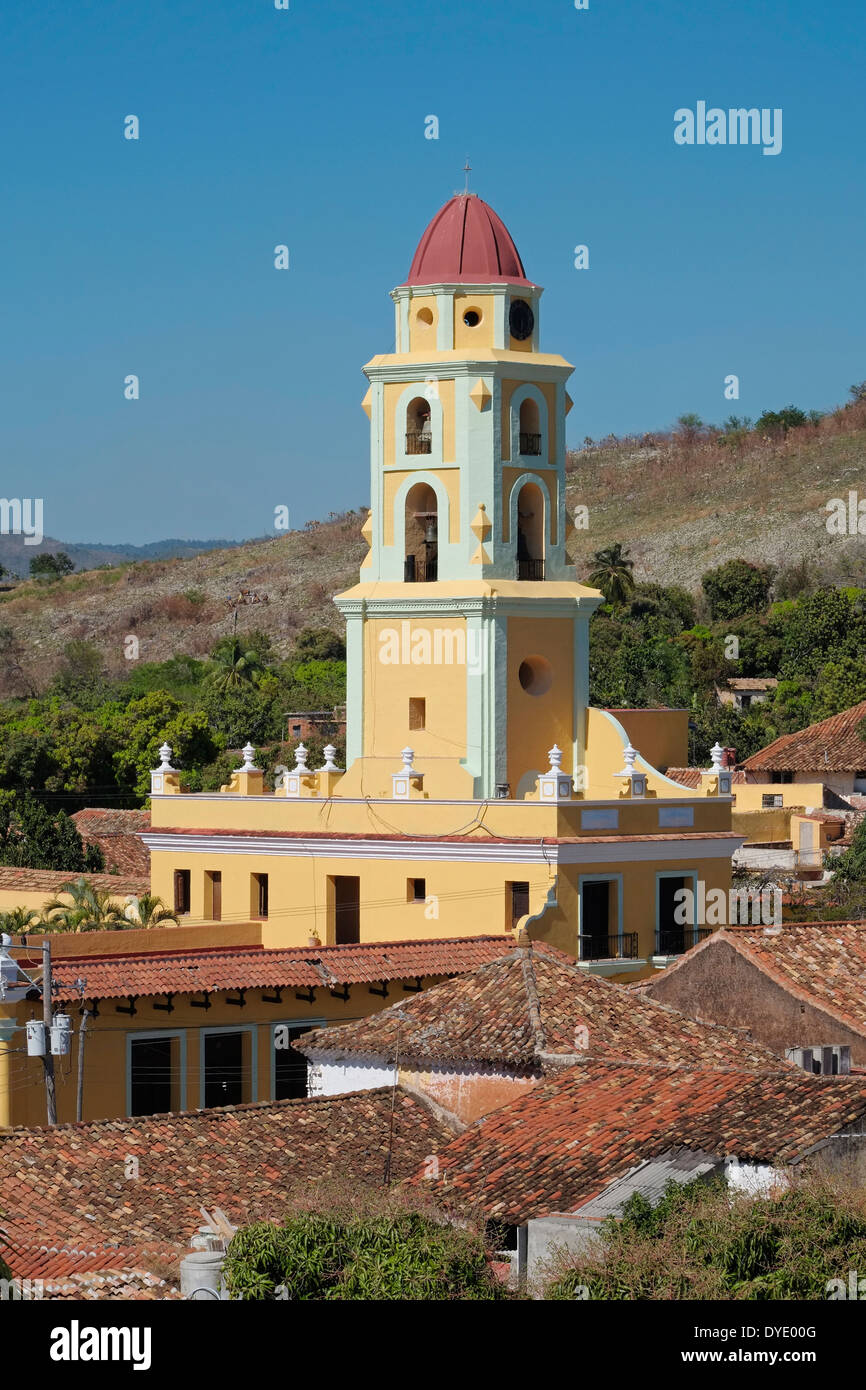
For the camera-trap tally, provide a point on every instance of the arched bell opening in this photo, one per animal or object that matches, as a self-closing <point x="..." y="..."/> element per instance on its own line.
<point x="530" y="428"/>
<point x="422" y="535"/>
<point x="530" y="532"/>
<point x="419" y="434"/>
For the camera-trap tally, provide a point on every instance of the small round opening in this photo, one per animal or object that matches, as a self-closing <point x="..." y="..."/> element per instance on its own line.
<point x="535" y="675"/>
<point x="472" y="318"/>
<point x="425" y="316"/>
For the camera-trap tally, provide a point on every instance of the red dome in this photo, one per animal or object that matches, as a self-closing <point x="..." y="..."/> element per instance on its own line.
<point x="466" y="243"/>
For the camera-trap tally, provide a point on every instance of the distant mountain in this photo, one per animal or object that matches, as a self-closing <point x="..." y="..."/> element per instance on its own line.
<point x="15" y="555"/>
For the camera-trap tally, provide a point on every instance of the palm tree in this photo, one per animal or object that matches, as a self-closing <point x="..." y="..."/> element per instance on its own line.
<point x="91" y="909"/>
<point x="235" y="666"/>
<point x="147" y="910"/>
<point x="612" y="573"/>
<point x="19" y="920"/>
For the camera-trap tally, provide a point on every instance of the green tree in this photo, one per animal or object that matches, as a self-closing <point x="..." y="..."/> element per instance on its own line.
<point x="51" y="566"/>
<point x="839" y="685"/>
<point x="818" y="628"/>
<point x="317" y="685"/>
<point x="150" y="911"/>
<point x="319" y="644"/>
<point x="34" y="837"/>
<point x="91" y="909"/>
<point x="735" y="588"/>
<point x="776" y="423"/>
<point x="145" y="725"/>
<point x="236" y="664"/>
<point x="690" y="427"/>
<point x="17" y="921"/>
<point x="81" y="679"/>
<point x="240" y="713"/>
<point x="611" y="572"/>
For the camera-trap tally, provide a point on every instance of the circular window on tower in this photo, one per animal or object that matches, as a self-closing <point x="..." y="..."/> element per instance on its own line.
<point x="535" y="675"/>
<point x="472" y="318"/>
<point x="425" y="316"/>
<point x="521" y="320"/>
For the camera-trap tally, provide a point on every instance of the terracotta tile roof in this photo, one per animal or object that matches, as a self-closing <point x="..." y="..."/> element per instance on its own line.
<point x="691" y="776"/>
<point x="561" y="1142"/>
<point x="821" y="963"/>
<point x="190" y="972"/>
<point x="524" y="1010"/>
<point x="751" y="683"/>
<point x="117" y="833"/>
<point x="101" y="1271"/>
<point x="50" y="881"/>
<point x="833" y="745"/>
<point x="68" y="1209"/>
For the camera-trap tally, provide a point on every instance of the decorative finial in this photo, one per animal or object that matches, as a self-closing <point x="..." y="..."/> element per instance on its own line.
<point x="301" y="759"/>
<point x="717" y="753"/>
<point x="467" y="169"/>
<point x="165" y="754"/>
<point x="248" y="754"/>
<point x="555" y="756"/>
<point x="408" y="756"/>
<point x="329" y="765"/>
<point x="629" y="755"/>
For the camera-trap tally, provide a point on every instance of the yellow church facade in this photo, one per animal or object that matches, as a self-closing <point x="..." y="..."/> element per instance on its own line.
<point x="481" y="791"/>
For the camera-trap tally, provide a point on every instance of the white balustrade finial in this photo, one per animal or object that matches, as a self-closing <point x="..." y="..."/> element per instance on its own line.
<point x="301" y="759"/>
<point x="717" y="753"/>
<point x="165" y="754"/>
<point x="629" y="754"/>
<point x="555" y="756"/>
<point x="248" y="754"/>
<point x="408" y="756"/>
<point x="330" y="754"/>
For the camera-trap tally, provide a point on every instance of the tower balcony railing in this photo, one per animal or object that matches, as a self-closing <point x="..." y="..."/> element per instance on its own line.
<point x="417" y="442"/>
<point x="675" y="941"/>
<point x="417" y="571"/>
<point x="530" y="443"/>
<point x="530" y="569"/>
<point x="594" y="946"/>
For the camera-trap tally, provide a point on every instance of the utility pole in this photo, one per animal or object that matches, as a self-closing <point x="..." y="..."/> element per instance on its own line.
<point x="82" y="1029"/>
<point x="48" y="1059"/>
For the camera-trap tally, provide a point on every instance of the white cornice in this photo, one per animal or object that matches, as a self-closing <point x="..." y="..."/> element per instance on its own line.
<point x="448" y="851"/>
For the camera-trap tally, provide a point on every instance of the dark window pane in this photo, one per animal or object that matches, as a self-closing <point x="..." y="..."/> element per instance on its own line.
<point x="290" y="1067"/>
<point x="223" y="1069"/>
<point x="151" y="1076"/>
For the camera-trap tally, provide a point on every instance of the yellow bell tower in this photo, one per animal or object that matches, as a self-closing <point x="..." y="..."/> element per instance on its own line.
<point x="468" y="634"/>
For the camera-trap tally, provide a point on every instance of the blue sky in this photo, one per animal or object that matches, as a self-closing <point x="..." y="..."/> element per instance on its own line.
<point x="306" y="127"/>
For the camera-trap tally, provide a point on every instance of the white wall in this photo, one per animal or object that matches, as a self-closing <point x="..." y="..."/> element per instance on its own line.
<point x="328" y="1076"/>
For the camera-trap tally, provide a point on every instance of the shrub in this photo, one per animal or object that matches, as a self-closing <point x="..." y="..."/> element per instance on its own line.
<point x="361" y="1252"/>
<point x="703" y="1242"/>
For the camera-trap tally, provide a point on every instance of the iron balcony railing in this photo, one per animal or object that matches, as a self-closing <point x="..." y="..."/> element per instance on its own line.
<point x="595" y="947"/>
<point x="530" y="569"/>
<point x="530" y="443"/>
<point x="417" y="571"/>
<point x="675" y="941"/>
<point x="417" y="442"/>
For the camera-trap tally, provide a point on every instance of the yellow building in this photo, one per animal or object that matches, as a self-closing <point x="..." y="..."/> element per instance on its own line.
<point x="481" y="793"/>
<point x="483" y="800"/>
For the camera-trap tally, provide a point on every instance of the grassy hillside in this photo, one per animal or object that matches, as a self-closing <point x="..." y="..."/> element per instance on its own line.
<point x="682" y="505"/>
<point x="185" y="605"/>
